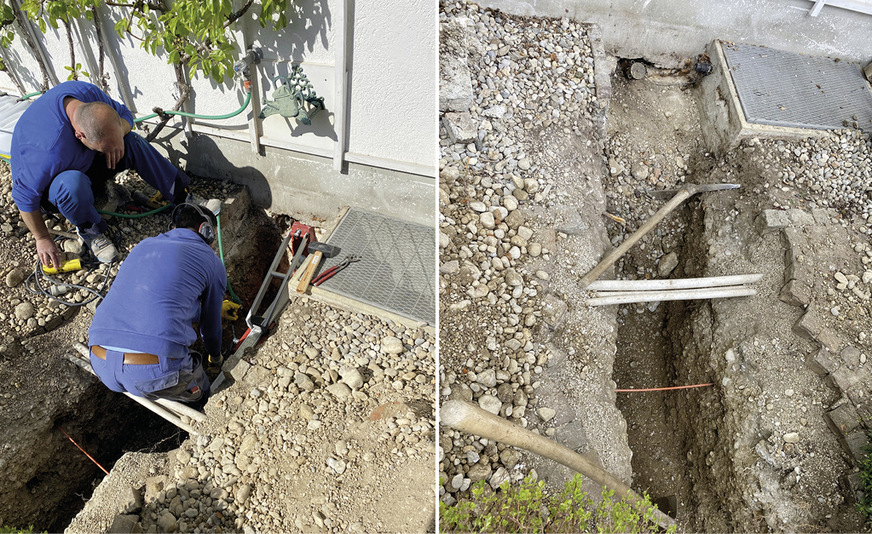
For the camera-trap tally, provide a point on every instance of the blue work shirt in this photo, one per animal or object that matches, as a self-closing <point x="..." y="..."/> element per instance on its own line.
<point x="166" y="283"/>
<point x="44" y="143"/>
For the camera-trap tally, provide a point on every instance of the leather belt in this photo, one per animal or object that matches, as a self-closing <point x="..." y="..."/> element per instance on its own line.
<point x="130" y="358"/>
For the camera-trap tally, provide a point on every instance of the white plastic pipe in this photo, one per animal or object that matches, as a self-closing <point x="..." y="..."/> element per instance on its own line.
<point x="686" y="294"/>
<point x="166" y="414"/>
<point x="176" y="408"/>
<point x="471" y="419"/>
<point x="679" y="283"/>
<point x="340" y="112"/>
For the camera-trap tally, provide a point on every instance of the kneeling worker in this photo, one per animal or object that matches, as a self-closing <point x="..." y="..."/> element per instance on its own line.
<point x="70" y="140"/>
<point x="142" y="331"/>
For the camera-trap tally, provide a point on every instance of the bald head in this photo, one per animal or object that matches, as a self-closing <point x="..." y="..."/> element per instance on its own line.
<point x="98" y="122"/>
<point x="99" y="127"/>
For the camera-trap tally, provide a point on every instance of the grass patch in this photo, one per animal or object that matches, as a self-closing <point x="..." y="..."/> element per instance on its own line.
<point x="525" y="507"/>
<point x="865" y="504"/>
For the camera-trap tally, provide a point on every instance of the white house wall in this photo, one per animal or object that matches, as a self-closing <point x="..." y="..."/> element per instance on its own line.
<point x="386" y="87"/>
<point x="390" y="114"/>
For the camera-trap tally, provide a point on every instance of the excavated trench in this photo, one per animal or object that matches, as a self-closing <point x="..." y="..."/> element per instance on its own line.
<point x="655" y="343"/>
<point x="59" y="478"/>
<point x="55" y="479"/>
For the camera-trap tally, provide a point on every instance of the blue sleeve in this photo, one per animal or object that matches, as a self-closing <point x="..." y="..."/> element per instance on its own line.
<point x="124" y="113"/>
<point x="210" y="314"/>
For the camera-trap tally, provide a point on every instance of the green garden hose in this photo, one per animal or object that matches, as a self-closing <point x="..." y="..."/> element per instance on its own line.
<point x="134" y="215"/>
<point x="195" y="116"/>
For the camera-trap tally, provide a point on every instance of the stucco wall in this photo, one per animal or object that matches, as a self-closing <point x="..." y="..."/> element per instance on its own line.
<point x="668" y="31"/>
<point x="389" y="103"/>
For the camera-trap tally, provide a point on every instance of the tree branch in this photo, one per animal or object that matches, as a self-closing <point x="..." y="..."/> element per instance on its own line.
<point x="98" y="27"/>
<point x="185" y="91"/>
<point x="236" y="15"/>
<point x="75" y="71"/>
<point x="26" y="36"/>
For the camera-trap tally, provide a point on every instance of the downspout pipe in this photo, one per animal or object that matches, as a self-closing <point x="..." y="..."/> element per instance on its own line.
<point x="341" y="115"/>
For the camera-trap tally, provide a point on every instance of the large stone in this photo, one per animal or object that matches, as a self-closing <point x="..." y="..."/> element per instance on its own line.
<point x="15" y="277"/>
<point x="514" y="220"/>
<point x="24" y="311"/>
<point x="391" y="345"/>
<point x="459" y="127"/>
<point x="772" y="220"/>
<point x="479" y="471"/>
<point x="167" y="521"/>
<point x="667" y="264"/>
<point x="490" y="403"/>
<point x="351" y="377"/>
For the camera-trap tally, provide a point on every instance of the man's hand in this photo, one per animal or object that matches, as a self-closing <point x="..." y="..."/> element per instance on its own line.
<point x="229" y="309"/>
<point x="113" y="157"/>
<point x="214" y="365"/>
<point x="48" y="252"/>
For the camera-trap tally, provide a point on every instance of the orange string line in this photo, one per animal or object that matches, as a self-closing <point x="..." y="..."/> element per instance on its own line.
<point x="83" y="450"/>
<point x="664" y="389"/>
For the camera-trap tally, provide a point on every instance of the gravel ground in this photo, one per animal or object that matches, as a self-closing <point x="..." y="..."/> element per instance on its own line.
<point x="540" y="174"/>
<point x="521" y="123"/>
<point x="331" y="428"/>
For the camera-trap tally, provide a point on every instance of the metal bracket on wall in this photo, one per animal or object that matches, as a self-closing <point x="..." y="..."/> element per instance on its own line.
<point x="294" y="98"/>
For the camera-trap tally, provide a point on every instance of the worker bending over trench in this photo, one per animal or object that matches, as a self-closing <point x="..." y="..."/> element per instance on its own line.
<point x="142" y="331"/>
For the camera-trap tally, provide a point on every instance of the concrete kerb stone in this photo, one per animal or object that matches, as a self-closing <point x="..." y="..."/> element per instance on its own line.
<point x="810" y="326"/>
<point x="823" y="362"/>
<point x="843" y="419"/>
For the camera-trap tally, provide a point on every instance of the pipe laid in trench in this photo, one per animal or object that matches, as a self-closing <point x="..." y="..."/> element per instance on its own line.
<point x="469" y="418"/>
<point x="682" y="294"/>
<point x="169" y="410"/>
<point x="677" y="283"/>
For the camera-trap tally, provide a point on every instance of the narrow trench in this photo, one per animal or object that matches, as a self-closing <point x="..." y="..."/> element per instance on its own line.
<point x="662" y="426"/>
<point x="106" y="425"/>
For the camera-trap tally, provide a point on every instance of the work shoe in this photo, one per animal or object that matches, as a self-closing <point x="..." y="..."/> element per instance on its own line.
<point x="99" y="244"/>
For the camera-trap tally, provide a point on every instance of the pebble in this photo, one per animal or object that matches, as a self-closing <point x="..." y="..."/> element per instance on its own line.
<point x="392" y="345"/>
<point x="15" y="277"/>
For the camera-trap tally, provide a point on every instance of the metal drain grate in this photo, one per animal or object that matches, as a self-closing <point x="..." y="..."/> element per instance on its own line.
<point x="397" y="270"/>
<point x="786" y="89"/>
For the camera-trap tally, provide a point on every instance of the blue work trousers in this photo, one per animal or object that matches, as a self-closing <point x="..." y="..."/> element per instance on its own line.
<point x="178" y="379"/>
<point x="72" y="194"/>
